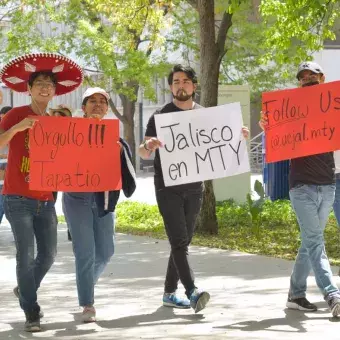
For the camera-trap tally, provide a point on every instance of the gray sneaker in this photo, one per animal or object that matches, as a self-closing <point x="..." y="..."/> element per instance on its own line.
<point x="16" y="293"/>
<point x="198" y="300"/>
<point x="32" y="323"/>
<point x="334" y="305"/>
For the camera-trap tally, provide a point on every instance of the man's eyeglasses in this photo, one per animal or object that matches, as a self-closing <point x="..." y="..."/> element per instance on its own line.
<point x="42" y="84"/>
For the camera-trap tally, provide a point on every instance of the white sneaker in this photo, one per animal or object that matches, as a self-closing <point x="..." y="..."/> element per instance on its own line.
<point x="89" y="314"/>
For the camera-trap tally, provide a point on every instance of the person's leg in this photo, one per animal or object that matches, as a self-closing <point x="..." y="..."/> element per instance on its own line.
<point x="336" y="207"/>
<point x="192" y="202"/>
<point x="69" y="237"/>
<point x="192" y="206"/>
<point x="78" y="207"/>
<point x="301" y="270"/>
<point x="20" y="214"/>
<point x="336" y="204"/>
<point x="104" y="241"/>
<point x="175" y="210"/>
<point x="312" y="205"/>
<point x="171" y="207"/>
<point x="45" y="228"/>
<point x="2" y="212"/>
<point x="331" y="292"/>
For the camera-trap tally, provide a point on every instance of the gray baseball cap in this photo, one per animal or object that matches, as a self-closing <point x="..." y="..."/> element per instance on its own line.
<point x="309" y="65"/>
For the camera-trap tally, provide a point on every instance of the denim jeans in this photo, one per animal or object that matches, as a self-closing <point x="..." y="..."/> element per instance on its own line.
<point x="31" y="218"/>
<point x="179" y="210"/>
<point x="312" y="205"/>
<point x="2" y="211"/>
<point x="336" y="205"/>
<point x="92" y="240"/>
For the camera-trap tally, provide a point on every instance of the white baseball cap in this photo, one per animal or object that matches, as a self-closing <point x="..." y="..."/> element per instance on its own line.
<point x="93" y="90"/>
<point x="311" y="66"/>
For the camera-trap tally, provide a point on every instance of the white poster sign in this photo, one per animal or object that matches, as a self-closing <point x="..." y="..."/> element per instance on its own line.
<point x="202" y="144"/>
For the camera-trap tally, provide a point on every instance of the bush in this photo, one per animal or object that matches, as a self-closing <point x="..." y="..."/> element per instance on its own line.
<point x="278" y="228"/>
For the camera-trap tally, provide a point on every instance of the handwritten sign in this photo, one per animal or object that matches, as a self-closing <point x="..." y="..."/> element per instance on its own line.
<point x="202" y="144"/>
<point x="74" y="155"/>
<point x="302" y="122"/>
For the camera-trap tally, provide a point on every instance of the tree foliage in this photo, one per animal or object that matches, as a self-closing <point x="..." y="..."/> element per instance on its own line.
<point x="114" y="39"/>
<point x="297" y="28"/>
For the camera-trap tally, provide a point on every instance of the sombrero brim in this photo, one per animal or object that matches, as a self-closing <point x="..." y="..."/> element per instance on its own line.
<point x="16" y="73"/>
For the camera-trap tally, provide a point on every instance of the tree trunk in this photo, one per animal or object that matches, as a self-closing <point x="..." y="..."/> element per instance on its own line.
<point x="128" y="120"/>
<point x="209" y="72"/>
<point x="129" y="126"/>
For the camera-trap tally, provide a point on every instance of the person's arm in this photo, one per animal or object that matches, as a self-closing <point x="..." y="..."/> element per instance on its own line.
<point x="149" y="145"/>
<point x="150" y="142"/>
<point x="7" y="134"/>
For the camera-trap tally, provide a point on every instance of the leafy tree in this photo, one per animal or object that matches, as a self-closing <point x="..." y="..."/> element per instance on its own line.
<point x="212" y="47"/>
<point x="115" y="39"/>
<point x="235" y="48"/>
<point x="298" y="28"/>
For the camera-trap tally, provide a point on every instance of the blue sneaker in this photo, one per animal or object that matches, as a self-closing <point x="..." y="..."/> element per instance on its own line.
<point x="198" y="300"/>
<point x="171" y="300"/>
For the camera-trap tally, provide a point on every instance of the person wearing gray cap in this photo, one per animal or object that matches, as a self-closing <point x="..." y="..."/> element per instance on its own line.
<point x="312" y="188"/>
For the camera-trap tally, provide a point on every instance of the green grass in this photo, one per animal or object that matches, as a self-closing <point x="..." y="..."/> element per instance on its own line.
<point x="278" y="233"/>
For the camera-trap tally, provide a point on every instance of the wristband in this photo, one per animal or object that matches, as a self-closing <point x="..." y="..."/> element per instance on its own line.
<point x="145" y="147"/>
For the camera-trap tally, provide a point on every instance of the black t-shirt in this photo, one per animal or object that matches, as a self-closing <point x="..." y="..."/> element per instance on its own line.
<point x="151" y="132"/>
<point x="316" y="169"/>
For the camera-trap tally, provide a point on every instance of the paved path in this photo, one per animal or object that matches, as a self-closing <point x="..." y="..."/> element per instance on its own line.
<point x="248" y="297"/>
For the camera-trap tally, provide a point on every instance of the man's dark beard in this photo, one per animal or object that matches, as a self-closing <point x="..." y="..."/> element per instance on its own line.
<point x="182" y="96"/>
<point x="311" y="83"/>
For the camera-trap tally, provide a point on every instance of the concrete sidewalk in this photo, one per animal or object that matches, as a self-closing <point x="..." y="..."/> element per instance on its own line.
<point x="248" y="295"/>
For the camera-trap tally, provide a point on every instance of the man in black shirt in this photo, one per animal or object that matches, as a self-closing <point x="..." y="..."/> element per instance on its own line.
<point x="312" y="187"/>
<point x="179" y="205"/>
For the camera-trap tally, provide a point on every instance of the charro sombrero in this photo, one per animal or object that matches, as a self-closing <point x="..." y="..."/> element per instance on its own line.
<point x="16" y="73"/>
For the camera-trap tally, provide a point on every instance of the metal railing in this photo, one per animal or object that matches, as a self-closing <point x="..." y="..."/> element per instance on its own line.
<point x="255" y="154"/>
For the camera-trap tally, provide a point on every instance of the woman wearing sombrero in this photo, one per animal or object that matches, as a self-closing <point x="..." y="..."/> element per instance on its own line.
<point x="32" y="214"/>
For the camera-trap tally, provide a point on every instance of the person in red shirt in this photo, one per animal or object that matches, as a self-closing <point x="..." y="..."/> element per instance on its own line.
<point x="31" y="214"/>
<point x="3" y="164"/>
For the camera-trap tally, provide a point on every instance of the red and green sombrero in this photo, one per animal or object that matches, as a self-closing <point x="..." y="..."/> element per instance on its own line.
<point x="16" y="73"/>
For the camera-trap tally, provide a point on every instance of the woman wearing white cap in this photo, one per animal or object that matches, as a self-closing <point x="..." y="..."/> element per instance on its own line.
<point x="92" y="234"/>
<point x="32" y="214"/>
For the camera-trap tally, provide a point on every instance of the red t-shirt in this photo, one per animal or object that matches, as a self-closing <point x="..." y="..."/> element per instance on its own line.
<point x="18" y="165"/>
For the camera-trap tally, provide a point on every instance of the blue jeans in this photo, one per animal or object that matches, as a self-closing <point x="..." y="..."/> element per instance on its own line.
<point x="312" y="205"/>
<point x="336" y="205"/>
<point x="2" y="211"/>
<point x="31" y="218"/>
<point x="92" y="239"/>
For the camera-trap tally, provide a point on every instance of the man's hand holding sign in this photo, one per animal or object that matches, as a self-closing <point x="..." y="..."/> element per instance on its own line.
<point x="74" y="154"/>
<point x="202" y="144"/>
<point x="302" y="122"/>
